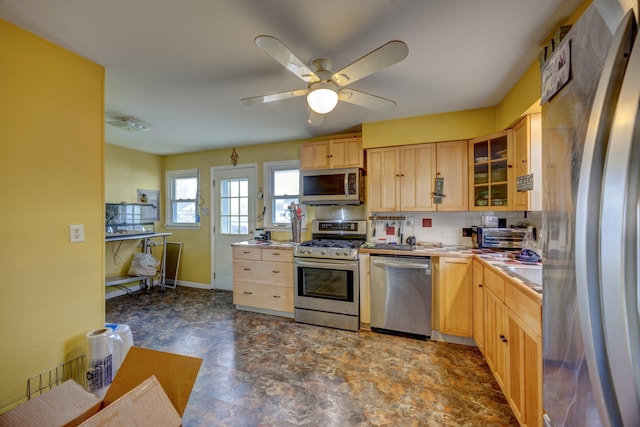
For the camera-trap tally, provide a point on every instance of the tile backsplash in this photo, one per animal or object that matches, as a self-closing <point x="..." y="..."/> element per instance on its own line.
<point x="446" y="227"/>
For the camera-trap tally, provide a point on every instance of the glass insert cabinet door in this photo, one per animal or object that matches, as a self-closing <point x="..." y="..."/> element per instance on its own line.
<point x="234" y="206"/>
<point x="490" y="162"/>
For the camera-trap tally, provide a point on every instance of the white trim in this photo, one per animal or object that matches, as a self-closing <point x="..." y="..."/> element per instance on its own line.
<point x="170" y="175"/>
<point x="213" y="216"/>
<point x="267" y="169"/>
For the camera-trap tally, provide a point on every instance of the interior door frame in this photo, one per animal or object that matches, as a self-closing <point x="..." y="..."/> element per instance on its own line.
<point x="214" y="213"/>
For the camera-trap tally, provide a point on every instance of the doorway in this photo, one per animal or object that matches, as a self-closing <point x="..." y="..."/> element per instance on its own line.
<point x="233" y="196"/>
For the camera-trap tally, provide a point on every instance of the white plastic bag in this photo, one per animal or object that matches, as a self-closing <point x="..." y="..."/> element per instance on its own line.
<point x="143" y="265"/>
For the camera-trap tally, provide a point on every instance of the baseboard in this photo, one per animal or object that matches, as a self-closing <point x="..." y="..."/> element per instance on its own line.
<point x="193" y="284"/>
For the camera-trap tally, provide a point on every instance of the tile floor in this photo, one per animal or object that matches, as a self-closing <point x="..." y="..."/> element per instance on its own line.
<point x="262" y="370"/>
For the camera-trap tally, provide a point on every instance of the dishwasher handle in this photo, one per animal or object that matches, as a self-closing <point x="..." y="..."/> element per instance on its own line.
<point x="401" y="265"/>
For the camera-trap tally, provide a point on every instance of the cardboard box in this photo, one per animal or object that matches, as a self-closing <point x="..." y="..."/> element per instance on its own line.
<point x="145" y="405"/>
<point x="65" y="405"/>
<point x="151" y="388"/>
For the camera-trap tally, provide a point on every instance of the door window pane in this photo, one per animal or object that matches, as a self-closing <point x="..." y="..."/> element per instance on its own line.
<point x="234" y="206"/>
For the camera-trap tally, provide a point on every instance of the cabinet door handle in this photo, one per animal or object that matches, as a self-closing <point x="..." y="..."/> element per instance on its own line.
<point x="503" y="338"/>
<point x="275" y="271"/>
<point x="247" y="293"/>
<point x="276" y="296"/>
<point x="247" y="269"/>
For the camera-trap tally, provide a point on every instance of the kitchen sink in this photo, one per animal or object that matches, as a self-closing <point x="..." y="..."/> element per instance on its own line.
<point x="532" y="276"/>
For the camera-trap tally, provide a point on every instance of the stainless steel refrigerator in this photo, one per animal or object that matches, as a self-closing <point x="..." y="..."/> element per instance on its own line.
<point x="591" y="221"/>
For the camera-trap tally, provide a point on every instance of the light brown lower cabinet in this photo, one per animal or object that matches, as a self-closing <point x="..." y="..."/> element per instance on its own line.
<point x="513" y="345"/>
<point x="478" y="304"/>
<point x="455" y="306"/>
<point x="263" y="278"/>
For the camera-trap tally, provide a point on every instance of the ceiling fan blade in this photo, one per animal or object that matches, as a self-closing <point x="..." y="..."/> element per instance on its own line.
<point x="315" y="119"/>
<point x="384" y="56"/>
<point x="278" y="51"/>
<point x="366" y="100"/>
<point x="263" y="99"/>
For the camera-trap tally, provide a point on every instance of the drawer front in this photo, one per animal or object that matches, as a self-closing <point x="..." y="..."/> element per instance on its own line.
<point x="278" y="255"/>
<point x="494" y="282"/>
<point x="524" y="307"/>
<point x="275" y="298"/>
<point x="247" y="253"/>
<point x="265" y="273"/>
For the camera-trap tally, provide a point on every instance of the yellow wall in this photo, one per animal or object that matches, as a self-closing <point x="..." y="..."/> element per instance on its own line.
<point x="451" y="126"/>
<point x="195" y="263"/>
<point x="126" y="171"/>
<point x="51" y="176"/>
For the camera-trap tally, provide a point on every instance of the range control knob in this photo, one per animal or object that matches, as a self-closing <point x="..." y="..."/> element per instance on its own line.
<point x="323" y="252"/>
<point x="338" y="252"/>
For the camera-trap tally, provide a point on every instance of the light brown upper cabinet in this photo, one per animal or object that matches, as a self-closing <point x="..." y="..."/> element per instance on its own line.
<point x="527" y="162"/>
<point x="491" y="174"/>
<point x="332" y="154"/>
<point x="404" y="178"/>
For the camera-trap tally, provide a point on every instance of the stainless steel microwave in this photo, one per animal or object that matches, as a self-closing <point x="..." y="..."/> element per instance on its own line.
<point x="332" y="187"/>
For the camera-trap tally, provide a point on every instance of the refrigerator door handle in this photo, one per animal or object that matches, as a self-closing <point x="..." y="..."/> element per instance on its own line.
<point x="587" y="233"/>
<point x="619" y="245"/>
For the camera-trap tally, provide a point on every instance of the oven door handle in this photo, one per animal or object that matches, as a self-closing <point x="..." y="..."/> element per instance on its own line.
<point x="401" y="265"/>
<point x="322" y="264"/>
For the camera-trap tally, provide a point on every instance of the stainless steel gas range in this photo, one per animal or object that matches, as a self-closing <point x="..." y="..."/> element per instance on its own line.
<point x="327" y="291"/>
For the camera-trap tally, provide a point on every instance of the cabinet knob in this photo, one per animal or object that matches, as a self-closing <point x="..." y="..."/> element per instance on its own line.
<point x="479" y="285"/>
<point x="524" y="160"/>
<point x="509" y="166"/>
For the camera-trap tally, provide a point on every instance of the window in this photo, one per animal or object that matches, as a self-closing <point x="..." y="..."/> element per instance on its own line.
<point x="234" y="206"/>
<point x="282" y="183"/>
<point x="183" y="198"/>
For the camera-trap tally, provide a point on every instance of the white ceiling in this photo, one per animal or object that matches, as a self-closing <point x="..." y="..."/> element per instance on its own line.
<point x="182" y="66"/>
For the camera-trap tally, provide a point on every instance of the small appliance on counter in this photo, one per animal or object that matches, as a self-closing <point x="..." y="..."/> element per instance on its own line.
<point x="261" y="234"/>
<point x="498" y="238"/>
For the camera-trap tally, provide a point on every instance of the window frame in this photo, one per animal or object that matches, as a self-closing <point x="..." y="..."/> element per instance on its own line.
<point x="171" y="176"/>
<point x="268" y="169"/>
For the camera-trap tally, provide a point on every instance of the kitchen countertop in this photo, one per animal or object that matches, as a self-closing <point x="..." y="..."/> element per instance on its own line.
<point x="501" y="261"/>
<point x="266" y="244"/>
<point x="529" y="274"/>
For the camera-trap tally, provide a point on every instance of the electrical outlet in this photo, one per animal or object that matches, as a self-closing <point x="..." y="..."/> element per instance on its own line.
<point x="410" y="221"/>
<point x="76" y="233"/>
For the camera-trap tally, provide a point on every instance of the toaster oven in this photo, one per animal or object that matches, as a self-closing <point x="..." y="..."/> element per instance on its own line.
<point x="498" y="238"/>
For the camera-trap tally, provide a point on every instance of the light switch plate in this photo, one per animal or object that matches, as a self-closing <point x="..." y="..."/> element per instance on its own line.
<point x="76" y="233"/>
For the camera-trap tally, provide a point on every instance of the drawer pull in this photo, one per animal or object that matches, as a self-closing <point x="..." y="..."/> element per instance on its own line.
<point x="247" y="293"/>
<point x="247" y="269"/>
<point x="246" y="252"/>
<point x="275" y="253"/>
<point x="276" y="296"/>
<point x="275" y="271"/>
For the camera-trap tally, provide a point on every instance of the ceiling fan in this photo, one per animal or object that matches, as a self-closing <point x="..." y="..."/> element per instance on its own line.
<point x="325" y="88"/>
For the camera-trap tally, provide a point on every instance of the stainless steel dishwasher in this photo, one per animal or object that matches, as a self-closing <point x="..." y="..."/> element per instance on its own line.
<point x="401" y="290"/>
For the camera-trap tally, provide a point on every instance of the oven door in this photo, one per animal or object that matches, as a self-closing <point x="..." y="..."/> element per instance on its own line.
<point x="327" y="285"/>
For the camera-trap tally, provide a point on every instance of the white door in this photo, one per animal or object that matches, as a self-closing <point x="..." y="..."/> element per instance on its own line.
<point x="233" y="194"/>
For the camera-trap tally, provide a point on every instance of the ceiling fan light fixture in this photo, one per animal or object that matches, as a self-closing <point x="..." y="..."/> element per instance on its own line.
<point x="322" y="97"/>
<point x="128" y="124"/>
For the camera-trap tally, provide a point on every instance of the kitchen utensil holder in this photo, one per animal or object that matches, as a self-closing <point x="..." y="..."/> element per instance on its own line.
<point x="295" y="229"/>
